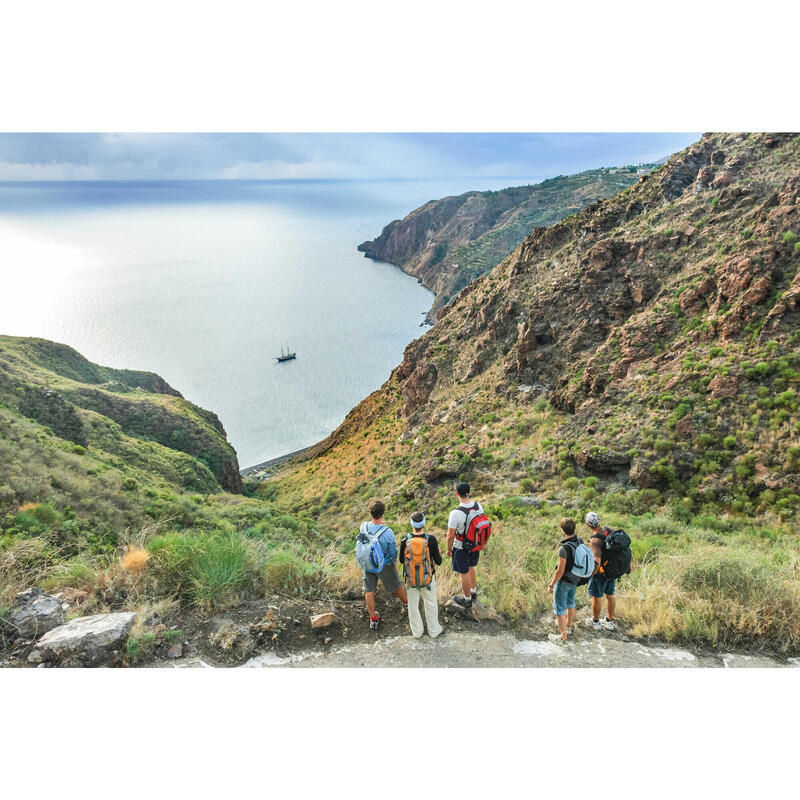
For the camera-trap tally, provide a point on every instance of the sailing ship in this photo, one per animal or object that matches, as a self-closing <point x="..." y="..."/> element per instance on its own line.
<point x="286" y="355"/>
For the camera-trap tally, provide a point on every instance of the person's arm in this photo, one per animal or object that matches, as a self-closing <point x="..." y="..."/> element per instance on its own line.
<point x="451" y="535"/>
<point x="436" y="554"/>
<point x="562" y="565"/>
<point x="388" y="537"/>
<point x="597" y="551"/>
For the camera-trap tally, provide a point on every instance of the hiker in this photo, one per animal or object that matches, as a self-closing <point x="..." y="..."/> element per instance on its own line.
<point x="600" y="584"/>
<point x="465" y="523"/>
<point x="376" y="552"/>
<point x="419" y="552"/>
<point x="575" y="565"/>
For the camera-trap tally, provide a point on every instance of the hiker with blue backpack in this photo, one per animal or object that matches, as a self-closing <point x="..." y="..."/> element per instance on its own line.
<point x="376" y="553"/>
<point x="575" y="567"/>
<point x="419" y="555"/>
<point x="612" y="554"/>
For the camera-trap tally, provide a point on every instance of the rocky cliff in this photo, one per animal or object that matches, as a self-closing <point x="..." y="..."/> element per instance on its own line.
<point x="650" y="340"/>
<point x="449" y="242"/>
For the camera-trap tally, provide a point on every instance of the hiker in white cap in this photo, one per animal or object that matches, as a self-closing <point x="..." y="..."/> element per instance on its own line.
<point x="419" y="552"/>
<point x="600" y="584"/>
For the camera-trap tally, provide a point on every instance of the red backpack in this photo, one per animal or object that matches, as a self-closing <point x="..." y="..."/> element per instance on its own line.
<point x="477" y="529"/>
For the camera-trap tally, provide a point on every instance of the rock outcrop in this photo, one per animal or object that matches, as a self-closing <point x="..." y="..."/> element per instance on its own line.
<point x="93" y="641"/>
<point x="34" y="612"/>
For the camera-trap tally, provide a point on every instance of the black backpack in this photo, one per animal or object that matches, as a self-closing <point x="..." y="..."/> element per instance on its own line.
<point x="616" y="559"/>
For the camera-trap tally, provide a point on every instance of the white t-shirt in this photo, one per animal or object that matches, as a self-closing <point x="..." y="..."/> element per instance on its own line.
<point x="458" y="520"/>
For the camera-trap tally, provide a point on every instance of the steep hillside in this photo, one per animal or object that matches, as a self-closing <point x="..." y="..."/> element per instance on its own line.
<point x="133" y="415"/>
<point x="449" y="242"/>
<point x="649" y="342"/>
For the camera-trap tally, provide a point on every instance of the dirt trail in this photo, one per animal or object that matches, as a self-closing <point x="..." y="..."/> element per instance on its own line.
<point x="503" y="649"/>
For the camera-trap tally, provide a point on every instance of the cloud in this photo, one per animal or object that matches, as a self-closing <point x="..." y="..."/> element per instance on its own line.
<point x="114" y="156"/>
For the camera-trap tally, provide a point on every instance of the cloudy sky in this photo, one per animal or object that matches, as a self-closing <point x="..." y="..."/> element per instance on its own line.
<point x="104" y="156"/>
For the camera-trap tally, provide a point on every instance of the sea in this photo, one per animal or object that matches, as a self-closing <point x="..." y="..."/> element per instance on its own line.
<point x="203" y="282"/>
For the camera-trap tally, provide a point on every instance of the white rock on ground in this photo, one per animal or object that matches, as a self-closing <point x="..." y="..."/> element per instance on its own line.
<point x="87" y="641"/>
<point x="35" y="612"/>
<point x="323" y="620"/>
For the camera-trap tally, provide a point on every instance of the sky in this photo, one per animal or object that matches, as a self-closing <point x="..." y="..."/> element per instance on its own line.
<point x="179" y="156"/>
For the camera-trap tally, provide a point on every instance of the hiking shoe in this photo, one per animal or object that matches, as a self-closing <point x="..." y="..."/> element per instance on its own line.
<point x="373" y="623"/>
<point x="556" y="638"/>
<point x="608" y="624"/>
<point x="473" y="596"/>
<point x="594" y="623"/>
<point x="462" y="602"/>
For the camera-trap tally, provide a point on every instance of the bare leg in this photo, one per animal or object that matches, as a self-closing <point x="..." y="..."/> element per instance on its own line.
<point x="612" y="606"/>
<point x="597" y="607"/>
<point x="473" y="579"/>
<point x="570" y="617"/>
<point x="466" y="584"/>
<point x="370" y="599"/>
<point x="562" y="625"/>
<point x="401" y="593"/>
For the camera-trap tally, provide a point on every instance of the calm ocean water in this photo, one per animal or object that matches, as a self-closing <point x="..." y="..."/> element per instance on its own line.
<point x="203" y="281"/>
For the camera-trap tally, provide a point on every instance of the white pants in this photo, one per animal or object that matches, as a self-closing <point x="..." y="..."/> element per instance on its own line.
<point x="428" y="596"/>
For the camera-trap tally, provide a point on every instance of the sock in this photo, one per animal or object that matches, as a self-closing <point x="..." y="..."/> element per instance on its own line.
<point x="468" y="597"/>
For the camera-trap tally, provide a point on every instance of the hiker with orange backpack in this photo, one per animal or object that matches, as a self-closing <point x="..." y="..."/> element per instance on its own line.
<point x="468" y="530"/>
<point x="419" y="552"/>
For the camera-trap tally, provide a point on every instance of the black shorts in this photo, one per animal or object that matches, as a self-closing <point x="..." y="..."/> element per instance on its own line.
<point x="462" y="560"/>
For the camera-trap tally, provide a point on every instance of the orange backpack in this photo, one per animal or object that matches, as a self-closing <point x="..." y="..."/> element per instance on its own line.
<point x="417" y="565"/>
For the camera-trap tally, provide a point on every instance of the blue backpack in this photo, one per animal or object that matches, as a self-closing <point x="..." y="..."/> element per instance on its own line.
<point x="369" y="551"/>
<point x="583" y="563"/>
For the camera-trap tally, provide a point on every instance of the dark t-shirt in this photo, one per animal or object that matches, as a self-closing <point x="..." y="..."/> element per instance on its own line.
<point x="568" y="553"/>
<point x="433" y="546"/>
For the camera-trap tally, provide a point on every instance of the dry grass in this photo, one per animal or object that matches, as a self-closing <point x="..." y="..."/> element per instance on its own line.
<point x="135" y="559"/>
<point x="726" y="596"/>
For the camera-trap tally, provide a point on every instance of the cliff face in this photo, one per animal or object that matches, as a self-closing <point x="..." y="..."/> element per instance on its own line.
<point x="651" y="340"/>
<point x="122" y="412"/>
<point x="447" y="243"/>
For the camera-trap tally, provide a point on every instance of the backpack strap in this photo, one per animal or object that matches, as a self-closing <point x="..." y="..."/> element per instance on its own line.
<point x="467" y="512"/>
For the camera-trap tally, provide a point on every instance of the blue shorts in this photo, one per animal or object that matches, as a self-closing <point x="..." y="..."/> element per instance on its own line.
<point x="563" y="597"/>
<point x="600" y="585"/>
<point x="462" y="560"/>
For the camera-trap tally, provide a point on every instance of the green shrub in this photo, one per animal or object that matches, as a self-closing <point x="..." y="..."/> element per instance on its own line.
<point x="219" y="568"/>
<point x="729" y="442"/>
<point x="660" y="525"/>
<point x="735" y="575"/>
<point x="286" y="572"/>
<point x="789" y="237"/>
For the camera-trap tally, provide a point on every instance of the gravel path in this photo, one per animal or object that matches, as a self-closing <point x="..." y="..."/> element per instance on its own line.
<point x="503" y="649"/>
